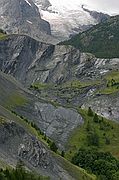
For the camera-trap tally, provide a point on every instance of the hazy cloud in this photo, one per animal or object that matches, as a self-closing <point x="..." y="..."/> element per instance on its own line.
<point x="109" y="6"/>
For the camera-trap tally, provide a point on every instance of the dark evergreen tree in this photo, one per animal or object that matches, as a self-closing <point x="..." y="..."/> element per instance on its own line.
<point x="90" y="112"/>
<point x="107" y="140"/>
<point x="88" y="127"/>
<point x="103" y="164"/>
<point x="53" y="147"/>
<point x="62" y="153"/>
<point x="96" y="118"/>
<point x="93" y="139"/>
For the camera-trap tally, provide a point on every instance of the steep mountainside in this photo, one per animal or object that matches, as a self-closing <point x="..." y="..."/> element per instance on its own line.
<point x="49" y="109"/>
<point x="67" y="19"/>
<point x="23" y="17"/>
<point x="39" y="19"/>
<point x="21" y="140"/>
<point x="37" y="61"/>
<point x="101" y="40"/>
<point x="62" y="69"/>
<point x="55" y="122"/>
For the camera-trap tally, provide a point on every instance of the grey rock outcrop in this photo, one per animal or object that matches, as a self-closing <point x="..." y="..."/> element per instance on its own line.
<point x="56" y="122"/>
<point x="100" y="17"/>
<point x="17" y="138"/>
<point x="23" y="17"/>
<point x="16" y="143"/>
<point x="37" y="61"/>
<point x="105" y="105"/>
<point x="44" y="4"/>
<point x="45" y="63"/>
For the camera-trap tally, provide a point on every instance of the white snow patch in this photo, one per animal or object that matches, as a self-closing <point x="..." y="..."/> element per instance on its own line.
<point x="100" y="62"/>
<point x="29" y="22"/>
<point x="104" y="71"/>
<point x="22" y="146"/>
<point x="115" y="61"/>
<point x="28" y="2"/>
<point x="90" y="92"/>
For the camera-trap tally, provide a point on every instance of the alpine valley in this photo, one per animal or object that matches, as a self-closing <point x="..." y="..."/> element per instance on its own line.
<point x="59" y="92"/>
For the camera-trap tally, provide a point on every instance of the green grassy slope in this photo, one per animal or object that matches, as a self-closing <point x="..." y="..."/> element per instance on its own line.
<point x="112" y="83"/>
<point x="3" y="35"/>
<point x="106" y="130"/>
<point x="75" y="171"/>
<point x="11" y="92"/>
<point x="19" y="173"/>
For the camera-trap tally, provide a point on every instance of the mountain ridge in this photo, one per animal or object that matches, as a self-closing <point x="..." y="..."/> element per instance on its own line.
<point x="58" y="102"/>
<point x="56" y="65"/>
<point x="101" y="40"/>
<point x="19" y="140"/>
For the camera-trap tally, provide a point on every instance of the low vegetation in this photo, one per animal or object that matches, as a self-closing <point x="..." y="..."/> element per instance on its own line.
<point x="95" y="132"/>
<point x="112" y="83"/>
<point x="66" y="91"/>
<point x="15" y="99"/>
<point x="94" y="146"/>
<point x="37" y="86"/>
<point x="103" y="164"/>
<point x="19" y="173"/>
<point x="3" y="34"/>
<point x="76" y="171"/>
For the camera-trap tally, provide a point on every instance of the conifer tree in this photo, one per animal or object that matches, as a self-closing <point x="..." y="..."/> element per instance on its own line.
<point x="90" y="112"/>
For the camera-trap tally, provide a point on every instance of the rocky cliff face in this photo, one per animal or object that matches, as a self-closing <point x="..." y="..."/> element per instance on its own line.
<point x="43" y="4"/>
<point x="56" y="81"/>
<point x="16" y="143"/>
<point x="100" y="17"/>
<point x="42" y="88"/>
<point x="56" y="122"/>
<point x="18" y="140"/>
<point x="37" y="61"/>
<point x="57" y="65"/>
<point x="106" y="105"/>
<point x="23" y="17"/>
<point x="45" y="63"/>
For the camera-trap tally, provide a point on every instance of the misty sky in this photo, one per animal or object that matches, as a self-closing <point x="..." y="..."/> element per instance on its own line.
<point x="109" y="6"/>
